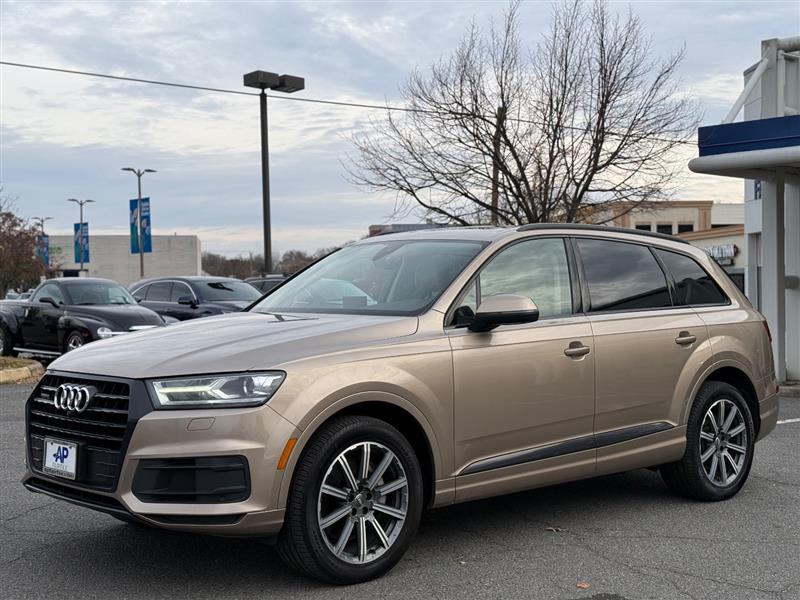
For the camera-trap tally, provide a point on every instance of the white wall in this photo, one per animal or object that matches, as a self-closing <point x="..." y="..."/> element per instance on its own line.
<point x="110" y="256"/>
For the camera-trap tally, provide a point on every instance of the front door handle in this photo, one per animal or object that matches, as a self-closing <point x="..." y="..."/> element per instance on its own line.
<point x="576" y="350"/>
<point x="685" y="338"/>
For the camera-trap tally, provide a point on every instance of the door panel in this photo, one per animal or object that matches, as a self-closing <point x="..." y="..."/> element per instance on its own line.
<point x="639" y="363"/>
<point x="515" y="389"/>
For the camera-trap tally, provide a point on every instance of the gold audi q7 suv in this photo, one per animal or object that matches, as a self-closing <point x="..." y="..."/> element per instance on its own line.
<point x="410" y="371"/>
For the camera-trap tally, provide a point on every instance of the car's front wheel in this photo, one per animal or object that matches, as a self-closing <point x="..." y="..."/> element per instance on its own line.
<point x="355" y="502"/>
<point x="73" y="341"/>
<point x="720" y="440"/>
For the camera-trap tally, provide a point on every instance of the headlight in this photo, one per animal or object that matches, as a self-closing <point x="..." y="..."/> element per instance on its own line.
<point x="223" y="391"/>
<point x="104" y="332"/>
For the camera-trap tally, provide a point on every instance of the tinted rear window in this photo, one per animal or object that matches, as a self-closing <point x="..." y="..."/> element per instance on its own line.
<point x="622" y="276"/>
<point x="692" y="284"/>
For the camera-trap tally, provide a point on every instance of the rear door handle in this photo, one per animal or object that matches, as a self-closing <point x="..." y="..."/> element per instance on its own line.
<point x="576" y="349"/>
<point x="685" y="338"/>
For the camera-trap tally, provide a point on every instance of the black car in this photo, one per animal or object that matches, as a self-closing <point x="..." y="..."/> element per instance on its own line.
<point x="185" y="298"/>
<point x="267" y="282"/>
<point x="64" y="314"/>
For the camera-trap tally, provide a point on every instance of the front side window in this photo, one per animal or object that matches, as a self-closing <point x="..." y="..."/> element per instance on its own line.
<point x="180" y="290"/>
<point x="693" y="285"/>
<point x="392" y="277"/>
<point x="535" y="268"/>
<point x="622" y="276"/>
<point x="49" y="290"/>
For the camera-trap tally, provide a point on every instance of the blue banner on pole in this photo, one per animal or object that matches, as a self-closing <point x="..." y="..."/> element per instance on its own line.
<point x="77" y="242"/>
<point x="140" y="217"/>
<point x="43" y="249"/>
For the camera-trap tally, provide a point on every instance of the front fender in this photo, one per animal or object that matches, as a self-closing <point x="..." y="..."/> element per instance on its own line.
<point x="86" y="327"/>
<point x="332" y="408"/>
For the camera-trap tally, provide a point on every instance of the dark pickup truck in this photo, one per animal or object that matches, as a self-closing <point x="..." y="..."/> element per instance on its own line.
<point x="64" y="314"/>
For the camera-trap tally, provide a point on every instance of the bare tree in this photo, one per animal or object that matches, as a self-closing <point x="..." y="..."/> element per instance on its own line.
<point x="581" y="127"/>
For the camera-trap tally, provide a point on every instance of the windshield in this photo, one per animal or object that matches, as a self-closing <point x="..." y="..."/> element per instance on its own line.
<point x="227" y="289"/>
<point x="383" y="278"/>
<point x="99" y="292"/>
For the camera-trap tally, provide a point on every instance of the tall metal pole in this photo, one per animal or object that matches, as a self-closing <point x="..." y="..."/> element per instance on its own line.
<point x="139" y="226"/>
<point x="265" y="184"/>
<point x="80" y="234"/>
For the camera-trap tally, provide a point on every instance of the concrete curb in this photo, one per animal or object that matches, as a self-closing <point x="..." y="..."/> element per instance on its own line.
<point x="790" y="390"/>
<point x="21" y="373"/>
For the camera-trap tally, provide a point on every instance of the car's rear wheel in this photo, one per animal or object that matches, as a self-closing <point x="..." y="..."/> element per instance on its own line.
<point x="73" y="341"/>
<point x="355" y="502"/>
<point x="720" y="440"/>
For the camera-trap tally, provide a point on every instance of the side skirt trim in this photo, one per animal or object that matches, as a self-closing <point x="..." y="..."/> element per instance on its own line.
<point x="588" y="442"/>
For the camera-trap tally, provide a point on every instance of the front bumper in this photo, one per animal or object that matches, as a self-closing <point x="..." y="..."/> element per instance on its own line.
<point x="257" y="435"/>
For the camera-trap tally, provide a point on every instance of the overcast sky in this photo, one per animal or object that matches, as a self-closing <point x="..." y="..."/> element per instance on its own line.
<point x="67" y="136"/>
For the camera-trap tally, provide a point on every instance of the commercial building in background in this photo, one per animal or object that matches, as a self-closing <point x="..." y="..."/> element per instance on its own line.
<point x="716" y="227"/>
<point x="111" y="257"/>
<point x="764" y="151"/>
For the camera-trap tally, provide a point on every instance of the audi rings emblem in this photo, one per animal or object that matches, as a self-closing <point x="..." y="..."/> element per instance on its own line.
<point x="73" y="397"/>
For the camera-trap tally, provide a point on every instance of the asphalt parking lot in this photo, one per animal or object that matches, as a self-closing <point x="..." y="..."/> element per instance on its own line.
<point x="623" y="535"/>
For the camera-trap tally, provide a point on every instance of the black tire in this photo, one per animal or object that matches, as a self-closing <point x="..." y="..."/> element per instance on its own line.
<point x="688" y="477"/>
<point x="301" y="544"/>
<point x="6" y="343"/>
<point x="68" y="339"/>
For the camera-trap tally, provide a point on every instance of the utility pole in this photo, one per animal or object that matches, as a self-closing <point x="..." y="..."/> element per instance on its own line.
<point x="139" y="174"/>
<point x="80" y="226"/>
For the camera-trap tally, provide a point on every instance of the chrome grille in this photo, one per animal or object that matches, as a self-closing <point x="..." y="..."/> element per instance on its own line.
<point x="100" y="430"/>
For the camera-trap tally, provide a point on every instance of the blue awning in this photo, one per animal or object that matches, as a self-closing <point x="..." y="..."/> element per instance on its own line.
<point x="745" y="136"/>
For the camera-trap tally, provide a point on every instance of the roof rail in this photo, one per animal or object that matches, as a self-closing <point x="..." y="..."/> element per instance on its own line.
<point x="588" y="227"/>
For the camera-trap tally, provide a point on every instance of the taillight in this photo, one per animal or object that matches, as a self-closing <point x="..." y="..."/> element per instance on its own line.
<point x="769" y="333"/>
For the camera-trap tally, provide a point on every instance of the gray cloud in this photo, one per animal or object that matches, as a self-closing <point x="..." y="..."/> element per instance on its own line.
<point x="67" y="136"/>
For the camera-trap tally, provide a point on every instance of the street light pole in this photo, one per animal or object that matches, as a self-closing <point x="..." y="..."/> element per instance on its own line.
<point x="265" y="197"/>
<point x="80" y="226"/>
<point x="139" y="174"/>
<point x="40" y="221"/>
<point x="264" y="80"/>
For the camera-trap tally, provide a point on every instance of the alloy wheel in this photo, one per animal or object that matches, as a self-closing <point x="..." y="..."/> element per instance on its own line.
<point x="363" y="502"/>
<point x="74" y="342"/>
<point x="723" y="442"/>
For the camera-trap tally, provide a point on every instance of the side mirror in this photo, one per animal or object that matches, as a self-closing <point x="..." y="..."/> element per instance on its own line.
<point x="504" y="309"/>
<point x="187" y="301"/>
<point x="48" y="300"/>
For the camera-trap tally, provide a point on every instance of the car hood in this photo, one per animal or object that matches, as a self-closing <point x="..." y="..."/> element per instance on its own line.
<point x="117" y="317"/>
<point x="232" y="342"/>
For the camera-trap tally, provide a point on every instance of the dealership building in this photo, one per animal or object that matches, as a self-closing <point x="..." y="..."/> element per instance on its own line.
<point x="763" y="150"/>
<point x="110" y="257"/>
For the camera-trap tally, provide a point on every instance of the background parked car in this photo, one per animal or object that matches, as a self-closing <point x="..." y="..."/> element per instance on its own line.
<point x="267" y="282"/>
<point x="185" y="298"/>
<point x="64" y="314"/>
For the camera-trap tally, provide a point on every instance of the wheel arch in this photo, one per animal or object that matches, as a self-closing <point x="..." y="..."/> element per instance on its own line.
<point x="393" y="409"/>
<point x="734" y="373"/>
